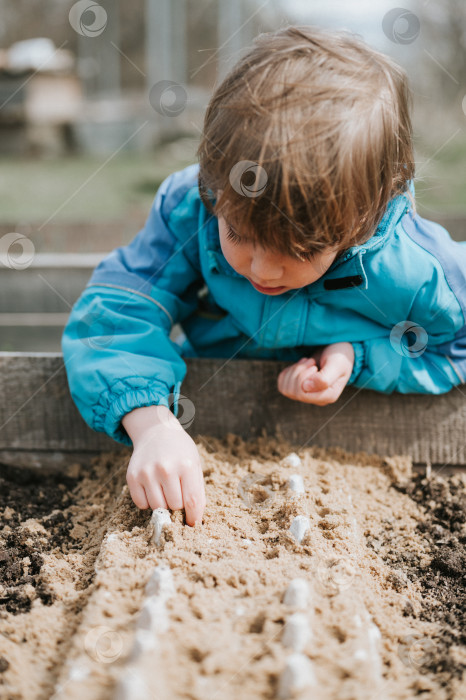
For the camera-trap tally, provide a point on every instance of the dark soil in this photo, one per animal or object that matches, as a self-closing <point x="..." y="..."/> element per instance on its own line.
<point x="443" y="580"/>
<point x="45" y="498"/>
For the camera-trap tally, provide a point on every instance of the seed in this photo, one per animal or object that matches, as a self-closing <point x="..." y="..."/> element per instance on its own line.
<point x="292" y="460"/>
<point x="153" y="616"/>
<point x="132" y="687"/>
<point x="299" y="527"/>
<point x="297" y="675"/>
<point x="297" y="593"/>
<point x="160" y="518"/>
<point x="296" y="632"/>
<point x="160" y="582"/>
<point x="295" y="483"/>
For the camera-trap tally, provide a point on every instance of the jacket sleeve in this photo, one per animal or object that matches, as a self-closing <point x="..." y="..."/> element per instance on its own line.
<point x="379" y="366"/>
<point x="426" y="353"/>
<point x="116" y="345"/>
<point x="416" y="356"/>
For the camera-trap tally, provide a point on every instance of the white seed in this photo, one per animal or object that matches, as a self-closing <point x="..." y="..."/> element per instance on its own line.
<point x="292" y="460"/>
<point x="160" y="518"/>
<point x="153" y="616"/>
<point x="295" y="483"/>
<point x="367" y="652"/>
<point x="160" y="582"/>
<point x="144" y="641"/>
<point x="297" y="593"/>
<point x="374" y="636"/>
<point x="296" y="632"/>
<point x="78" y="673"/>
<point x="299" y="527"/>
<point x="132" y="687"/>
<point x="360" y="655"/>
<point x="297" y="675"/>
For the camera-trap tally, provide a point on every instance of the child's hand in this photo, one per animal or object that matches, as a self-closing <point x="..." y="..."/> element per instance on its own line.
<point x="304" y="381"/>
<point x="165" y="469"/>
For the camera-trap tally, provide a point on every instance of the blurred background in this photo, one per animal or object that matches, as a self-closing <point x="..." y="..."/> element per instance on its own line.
<point x="100" y="101"/>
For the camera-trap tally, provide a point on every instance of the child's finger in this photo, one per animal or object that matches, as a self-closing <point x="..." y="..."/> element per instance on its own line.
<point x="315" y="383"/>
<point x="192" y="487"/>
<point x="323" y="397"/>
<point x="139" y="496"/>
<point x="331" y="371"/>
<point x="155" y="496"/>
<point x="172" y="491"/>
<point x="290" y="379"/>
<point x="292" y="369"/>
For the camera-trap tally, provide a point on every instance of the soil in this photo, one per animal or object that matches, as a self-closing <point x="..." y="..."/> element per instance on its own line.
<point x="384" y="546"/>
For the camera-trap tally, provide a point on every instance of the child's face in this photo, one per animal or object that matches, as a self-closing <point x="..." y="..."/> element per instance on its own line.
<point x="270" y="272"/>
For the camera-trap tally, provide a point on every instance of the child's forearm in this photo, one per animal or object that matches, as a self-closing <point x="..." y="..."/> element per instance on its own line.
<point x="139" y="420"/>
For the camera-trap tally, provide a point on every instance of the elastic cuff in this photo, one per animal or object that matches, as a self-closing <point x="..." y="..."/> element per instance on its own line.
<point x="123" y="397"/>
<point x="359" y="360"/>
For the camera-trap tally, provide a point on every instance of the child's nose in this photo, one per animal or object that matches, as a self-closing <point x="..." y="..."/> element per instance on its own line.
<point x="265" y="267"/>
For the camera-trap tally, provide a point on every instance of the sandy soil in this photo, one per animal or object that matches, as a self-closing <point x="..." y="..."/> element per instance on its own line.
<point x="384" y="548"/>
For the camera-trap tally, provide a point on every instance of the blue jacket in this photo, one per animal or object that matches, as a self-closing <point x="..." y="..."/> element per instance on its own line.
<point x="399" y="299"/>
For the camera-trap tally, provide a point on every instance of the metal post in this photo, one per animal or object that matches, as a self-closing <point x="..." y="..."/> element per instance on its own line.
<point x="99" y="60"/>
<point x="229" y="35"/>
<point x="159" y="42"/>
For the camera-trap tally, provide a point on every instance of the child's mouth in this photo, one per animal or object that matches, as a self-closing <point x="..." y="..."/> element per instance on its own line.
<point x="267" y="290"/>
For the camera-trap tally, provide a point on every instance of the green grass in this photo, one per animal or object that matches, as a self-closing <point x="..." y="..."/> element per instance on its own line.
<point x="84" y="188"/>
<point x="440" y="179"/>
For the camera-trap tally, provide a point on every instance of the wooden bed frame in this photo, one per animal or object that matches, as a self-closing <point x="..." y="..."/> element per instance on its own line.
<point x="41" y="427"/>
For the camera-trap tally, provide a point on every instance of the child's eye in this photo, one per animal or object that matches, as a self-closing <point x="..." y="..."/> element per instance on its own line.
<point x="232" y="236"/>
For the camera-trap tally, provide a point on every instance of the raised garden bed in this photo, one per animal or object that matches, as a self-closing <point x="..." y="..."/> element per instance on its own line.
<point x="331" y="556"/>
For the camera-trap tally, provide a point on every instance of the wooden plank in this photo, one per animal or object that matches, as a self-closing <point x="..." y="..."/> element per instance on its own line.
<point x="237" y="396"/>
<point x="51" y="283"/>
<point x="12" y="320"/>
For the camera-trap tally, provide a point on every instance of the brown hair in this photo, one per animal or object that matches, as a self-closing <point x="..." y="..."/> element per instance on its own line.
<point x="309" y="136"/>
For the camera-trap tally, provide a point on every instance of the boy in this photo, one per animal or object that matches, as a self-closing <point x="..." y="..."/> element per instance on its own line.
<point x="294" y="238"/>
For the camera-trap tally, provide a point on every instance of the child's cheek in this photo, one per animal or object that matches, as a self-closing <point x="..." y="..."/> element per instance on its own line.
<point x="235" y="256"/>
<point x="237" y="260"/>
